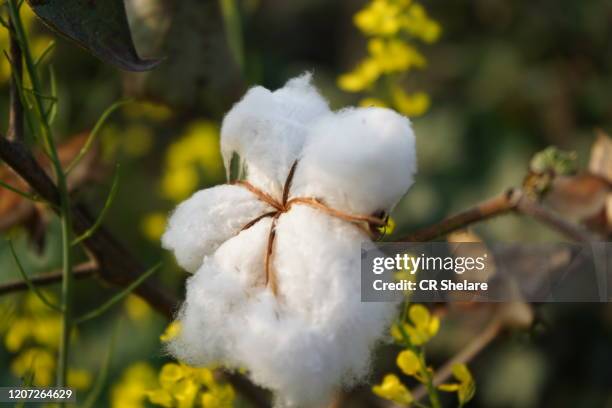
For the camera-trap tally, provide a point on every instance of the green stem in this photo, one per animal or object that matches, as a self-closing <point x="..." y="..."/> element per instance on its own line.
<point x="62" y="187"/>
<point x="434" y="398"/>
<point x="426" y="375"/>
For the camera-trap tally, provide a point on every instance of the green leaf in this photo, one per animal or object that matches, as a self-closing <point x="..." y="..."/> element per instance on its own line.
<point x="99" y="26"/>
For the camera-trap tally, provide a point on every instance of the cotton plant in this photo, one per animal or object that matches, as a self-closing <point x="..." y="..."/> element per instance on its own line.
<point x="275" y="257"/>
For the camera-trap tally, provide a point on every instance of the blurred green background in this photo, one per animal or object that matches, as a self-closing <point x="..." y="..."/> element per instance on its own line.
<point x="505" y="79"/>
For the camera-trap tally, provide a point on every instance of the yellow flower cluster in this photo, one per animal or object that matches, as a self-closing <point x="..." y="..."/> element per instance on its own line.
<point x="38" y="42"/>
<point x="391" y="26"/>
<point x="131" y="390"/>
<point x="465" y="387"/>
<point x="197" y="150"/>
<point x="33" y="335"/>
<point x="194" y="158"/>
<point x="182" y="386"/>
<point x="420" y="330"/>
<point x="137" y="309"/>
<point x="136" y="137"/>
<point x="411" y="362"/>
<point x="177" y="385"/>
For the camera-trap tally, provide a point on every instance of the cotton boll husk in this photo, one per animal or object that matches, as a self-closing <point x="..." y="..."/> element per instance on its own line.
<point x="203" y="222"/>
<point x="267" y="129"/>
<point x="358" y="160"/>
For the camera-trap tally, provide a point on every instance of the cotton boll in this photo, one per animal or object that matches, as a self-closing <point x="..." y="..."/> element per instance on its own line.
<point x="312" y="336"/>
<point x="203" y="222"/>
<point x="358" y="160"/>
<point x="267" y="130"/>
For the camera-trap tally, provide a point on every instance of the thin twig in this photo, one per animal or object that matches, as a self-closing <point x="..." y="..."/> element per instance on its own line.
<point x="501" y="204"/>
<point x="513" y="200"/>
<point x="571" y="230"/>
<point x="471" y="350"/>
<point x="117" y="265"/>
<point x="82" y="271"/>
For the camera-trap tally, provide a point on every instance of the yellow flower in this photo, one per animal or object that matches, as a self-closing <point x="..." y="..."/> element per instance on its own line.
<point x="138" y="140"/>
<point x="389" y="227"/>
<point x="410" y="105"/>
<point x="197" y="149"/>
<point x="37" y="362"/>
<point x="221" y="396"/>
<point x="465" y="388"/>
<point x="394" y="55"/>
<point x="392" y="389"/>
<point x="136" y="308"/>
<point x="132" y="388"/>
<point x="206" y="377"/>
<point x="37" y="42"/>
<point x="391" y="26"/>
<point x="17" y="334"/>
<point x="34" y="306"/>
<point x="79" y="379"/>
<point x="178" y="183"/>
<point x="161" y="397"/>
<point x="171" y="331"/>
<point x="362" y="77"/>
<point x="416" y="23"/>
<point x="184" y="392"/>
<point x="153" y="225"/>
<point x="46" y="331"/>
<point x="380" y="17"/>
<point x="408" y="362"/>
<point x="41" y="329"/>
<point x="170" y="374"/>
<point x="424" y="326"/>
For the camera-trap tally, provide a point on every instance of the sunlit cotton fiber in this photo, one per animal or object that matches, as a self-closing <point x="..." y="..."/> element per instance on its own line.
<point x="314" y="335"/>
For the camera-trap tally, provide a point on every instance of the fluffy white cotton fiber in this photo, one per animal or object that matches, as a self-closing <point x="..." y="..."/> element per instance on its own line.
<point x="210" y="217"/>
<point x="267" y="130"/>
<point x="314" y="335"/>
<point x="359" y="160"/>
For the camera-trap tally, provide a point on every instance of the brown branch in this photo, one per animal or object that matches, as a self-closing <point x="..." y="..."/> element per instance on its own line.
<point x="571" y="230"/>
<point x="117" y="265"/>
<point x="81" y="271"/>
<point x="15" y="130"/>
<point x="513" y="200"/>
<point x="493" y="207"/>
